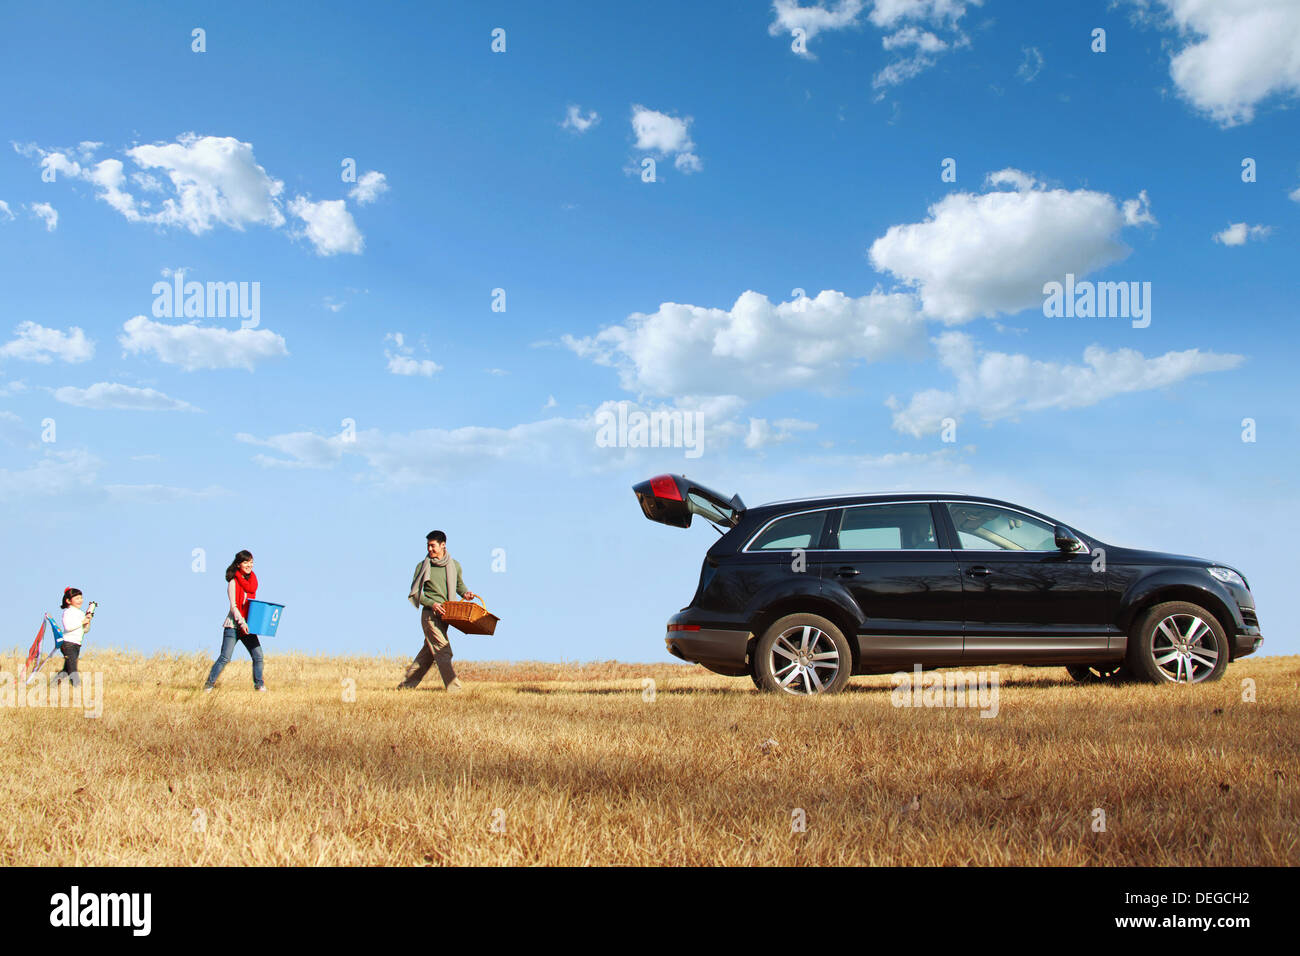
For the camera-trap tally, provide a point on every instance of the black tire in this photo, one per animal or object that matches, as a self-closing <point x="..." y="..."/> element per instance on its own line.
<point x="1115" y="673"/>
<point x="803" y="654"/>
<point x="1170" y="643"/>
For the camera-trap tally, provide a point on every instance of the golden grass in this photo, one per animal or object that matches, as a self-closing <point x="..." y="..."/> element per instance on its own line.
<point x="583" y="769"/>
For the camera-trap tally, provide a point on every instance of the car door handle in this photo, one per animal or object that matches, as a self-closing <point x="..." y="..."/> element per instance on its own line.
<point x="846" y="572"/>
<point x="980" y="572"/>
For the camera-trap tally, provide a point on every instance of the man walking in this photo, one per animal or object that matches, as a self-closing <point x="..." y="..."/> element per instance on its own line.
<point x="437" y="578"/>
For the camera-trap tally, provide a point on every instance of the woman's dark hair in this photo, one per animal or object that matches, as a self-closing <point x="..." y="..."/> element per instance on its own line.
<point x="68" y="595"/>
<point x="234" y="565"/>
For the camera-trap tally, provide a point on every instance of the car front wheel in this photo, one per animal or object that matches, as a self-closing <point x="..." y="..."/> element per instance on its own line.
<point x="1178" y="643"/>
<point x="803" y="654"/>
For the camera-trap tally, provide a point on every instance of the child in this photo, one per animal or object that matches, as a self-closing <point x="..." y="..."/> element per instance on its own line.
<point x="76" y="623"/>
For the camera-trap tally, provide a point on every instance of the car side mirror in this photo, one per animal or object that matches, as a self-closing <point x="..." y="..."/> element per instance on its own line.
<point x="1066" y="540"/>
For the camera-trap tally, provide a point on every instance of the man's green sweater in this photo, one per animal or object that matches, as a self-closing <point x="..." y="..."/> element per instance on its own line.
<point x="435" y="589"/>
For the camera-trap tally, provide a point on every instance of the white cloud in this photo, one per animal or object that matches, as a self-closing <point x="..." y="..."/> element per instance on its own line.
<point x="1031" y="65"/>
<point x="152" y="494"/>
<point x="430" y="455"/>
<point x="216" y="179"/>
<point x="984" y="254"/>
<point x="1011" y="177"/>
<point x="369" y="187"/>
<point x="5" y="211"/>
<point x="687" y="163"/>
<point x="110" y="395"/>
<point x="109" y="176"/>
<point x="46" y="213"/>
<point x="1238" y="53"/>
<point x="60" y="474"/>
<point x="925" y="44"/>
<point x="576" y="121"/>
<point x="900" y="71"/>
<point x="402" y="361"/>
<point x="659" y="131"/>
<point x="212" y="181"/>
<point x="1237" y="234"/>
<point x="57" y="473"/>
<point x="755" y="347"/>
<point x="995" y="385"/>
<point x="36" y="343"/>
<point x="1137" y="212"/>
<point x="887" y="13"/>
<point x="812" y="20"/>
<point x="667" y="136"/>
<point x="437" y="455"/>
<point x="763" y="433"/>
<point x="195" y="346"/>
<point x="911" y="36"/>
<point x="900" y="17"/>
<point x="148" y="182"/>
<point x="13" y="432"/>
<point x="1294" y="195"/>
<point x="406" y="365"/>
<point x="329" y="226"/>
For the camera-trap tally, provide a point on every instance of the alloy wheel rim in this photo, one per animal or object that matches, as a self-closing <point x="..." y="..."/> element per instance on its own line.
<point x="1185" y="648"/>
<point x="804" y="660"/>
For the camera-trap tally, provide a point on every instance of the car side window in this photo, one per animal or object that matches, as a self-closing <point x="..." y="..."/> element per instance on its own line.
<point x="899" y="527"/>
<point x="796" y="531"/>
<point x="988" y="528"/>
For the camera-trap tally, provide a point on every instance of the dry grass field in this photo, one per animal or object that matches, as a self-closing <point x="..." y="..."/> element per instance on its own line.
<point x="580" y="764"/>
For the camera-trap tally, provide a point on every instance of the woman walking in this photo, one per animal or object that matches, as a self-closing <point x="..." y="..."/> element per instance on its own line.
<point x="241" y="587"/>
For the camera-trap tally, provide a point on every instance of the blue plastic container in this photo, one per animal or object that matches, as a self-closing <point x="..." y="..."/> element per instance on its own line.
<point x="263" y="618"/>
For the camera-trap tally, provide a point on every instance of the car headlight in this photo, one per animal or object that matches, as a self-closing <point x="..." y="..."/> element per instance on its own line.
<point x="1228" y="576"/>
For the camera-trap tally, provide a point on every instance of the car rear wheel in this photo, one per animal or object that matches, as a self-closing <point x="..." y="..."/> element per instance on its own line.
<point x="1098" y="673"/>
<point x="803" y="654"/>
<point x="1178" y="643"/>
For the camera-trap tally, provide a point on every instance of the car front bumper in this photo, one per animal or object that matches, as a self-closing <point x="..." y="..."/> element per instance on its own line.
<point x="1247" y="640"/>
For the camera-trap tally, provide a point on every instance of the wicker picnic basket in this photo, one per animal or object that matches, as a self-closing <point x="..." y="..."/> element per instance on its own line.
<point x="469" y="617"/>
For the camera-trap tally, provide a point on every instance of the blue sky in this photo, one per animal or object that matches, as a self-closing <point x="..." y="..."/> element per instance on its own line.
<point x="775" y="170"/>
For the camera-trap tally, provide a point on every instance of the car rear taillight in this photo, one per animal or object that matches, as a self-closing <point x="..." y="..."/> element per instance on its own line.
<point x="665" y="486"/>
<point x="683" y="627"/>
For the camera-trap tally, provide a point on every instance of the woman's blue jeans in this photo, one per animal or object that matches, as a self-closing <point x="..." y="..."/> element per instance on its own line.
<point x="229" y="637"/>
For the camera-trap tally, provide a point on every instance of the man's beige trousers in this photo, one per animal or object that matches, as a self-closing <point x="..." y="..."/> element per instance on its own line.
<point x="437" y="648"/>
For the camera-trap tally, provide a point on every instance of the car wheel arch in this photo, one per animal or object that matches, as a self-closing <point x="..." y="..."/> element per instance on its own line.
<point x="809" y="604"/>
<point x="1188" y="593"/>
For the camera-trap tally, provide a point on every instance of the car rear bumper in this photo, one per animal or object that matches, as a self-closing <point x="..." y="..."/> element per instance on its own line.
<point x="719" y="649"/>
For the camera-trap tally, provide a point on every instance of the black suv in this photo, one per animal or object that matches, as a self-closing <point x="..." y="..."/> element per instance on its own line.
<point x="800" y="595"/>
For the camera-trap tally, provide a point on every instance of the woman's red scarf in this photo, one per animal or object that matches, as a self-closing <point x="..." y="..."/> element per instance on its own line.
<point x="245" y="590"/>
